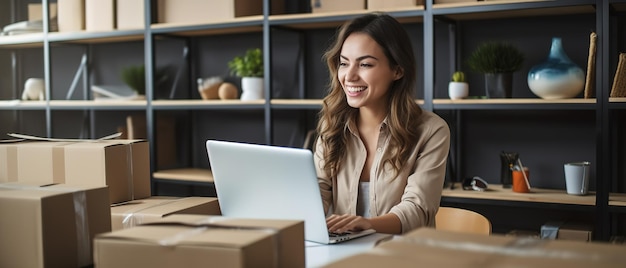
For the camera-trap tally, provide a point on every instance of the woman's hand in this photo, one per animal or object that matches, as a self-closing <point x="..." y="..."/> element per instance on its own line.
<point x="344" y="223"/>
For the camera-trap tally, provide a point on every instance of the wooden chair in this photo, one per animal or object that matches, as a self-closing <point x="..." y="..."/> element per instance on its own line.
<point x="462" y="220"/>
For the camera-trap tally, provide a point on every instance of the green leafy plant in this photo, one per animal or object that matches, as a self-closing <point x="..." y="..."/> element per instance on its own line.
<point x="495" y="57"/>
<point x="135" y="78"/>
<point x="458" y="76"/>
<point x="248" y="65"/>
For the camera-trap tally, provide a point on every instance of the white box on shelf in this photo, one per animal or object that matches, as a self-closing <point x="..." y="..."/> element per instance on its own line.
<point x="381" y="4"/>
<point x="99" y="15"/>
<point x="130" y="14"/>
<point x="71" y="15"/>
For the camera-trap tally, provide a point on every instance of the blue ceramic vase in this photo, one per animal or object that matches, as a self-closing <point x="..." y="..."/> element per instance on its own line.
<point x="557" y="77"/>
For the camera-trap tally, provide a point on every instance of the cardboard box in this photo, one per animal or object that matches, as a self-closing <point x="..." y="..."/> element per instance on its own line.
<point x="122" y="165"/>
<point x="100" y="15"/>
<point x="202" y="11"/>
<point x="452" y="1"/>
<point x="101" y="164"/>
<point x="427" y="247"/>
<point x="41" y="162"/>
<point x="71" y="15"/>
<point x="567" y="231"/>
<point x="387" y="4"/>
<point x="8" y="161"/>
<point x="51" y="226"/>
<point x="35" y="11"/>
<point x="130" y="14"/>
<point x="138" y="152"/>
<point x="136" y="212"/>
<point x="319" y="6"/>
<point x="201" y="241"/>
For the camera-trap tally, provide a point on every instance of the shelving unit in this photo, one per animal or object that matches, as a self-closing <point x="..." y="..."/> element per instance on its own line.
<point x="442" y="37"/>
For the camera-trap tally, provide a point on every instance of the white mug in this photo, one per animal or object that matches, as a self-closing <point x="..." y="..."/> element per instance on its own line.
<point x="577" y="177"/>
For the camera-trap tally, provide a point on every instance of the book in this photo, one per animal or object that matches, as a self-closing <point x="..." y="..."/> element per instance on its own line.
<point x="619" y="80"/>
<point x="591" y="67"/>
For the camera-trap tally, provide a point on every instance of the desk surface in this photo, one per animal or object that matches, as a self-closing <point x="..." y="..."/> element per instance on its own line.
<point x="318" y="255"/>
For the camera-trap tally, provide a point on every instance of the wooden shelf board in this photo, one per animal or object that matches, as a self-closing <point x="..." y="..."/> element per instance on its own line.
<point x="22" y="104"/>
<point x="31" y="40"/>
<point x="297" y="101"/>
<point x="617" y="199"/>
<point x="95" y="103"/>
<point x="84" y="37"/>
<point x="197" y="102"/>
<point x="336" y="18"/>
<point x="525" y="12"/>
<point x="185" y="174"/>
<point x="311" y="101"/>
<point x="497" y="192"/>
<point x="217" y="27"/>
<point x="617" y="99"/>
<point x="513" y="101"/>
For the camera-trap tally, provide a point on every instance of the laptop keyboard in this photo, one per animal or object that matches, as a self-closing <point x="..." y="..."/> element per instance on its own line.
<point x="333" y="234"/>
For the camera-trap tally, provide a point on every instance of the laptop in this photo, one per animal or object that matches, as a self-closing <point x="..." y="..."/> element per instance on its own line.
<point x="271" y="182"/>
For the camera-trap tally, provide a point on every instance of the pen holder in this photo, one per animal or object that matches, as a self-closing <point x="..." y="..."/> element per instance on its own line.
<point x="507" y="161"/>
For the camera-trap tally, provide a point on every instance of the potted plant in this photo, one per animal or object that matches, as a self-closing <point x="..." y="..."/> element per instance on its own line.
<point x="497" y="61"/>
<point x="250" y="68"/>
<point x="135" y="77"/>
<point x="458" y="87"/>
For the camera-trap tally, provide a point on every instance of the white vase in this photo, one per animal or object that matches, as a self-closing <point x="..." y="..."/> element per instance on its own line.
<point x="252" y="88"/>
<point x="558" y="77"/>
<point x="458" y="90"/>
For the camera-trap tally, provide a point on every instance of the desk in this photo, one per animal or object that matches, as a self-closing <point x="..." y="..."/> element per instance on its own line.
<point x="318" y="255"/>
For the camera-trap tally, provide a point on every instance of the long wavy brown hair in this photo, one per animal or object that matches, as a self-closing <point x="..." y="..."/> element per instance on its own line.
<point x="404" y="113"/>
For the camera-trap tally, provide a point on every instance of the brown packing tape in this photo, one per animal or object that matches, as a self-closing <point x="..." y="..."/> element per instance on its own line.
<point x="41" y="161"/>
<point x="81" y="222"/>
<point x="8" y="162"/>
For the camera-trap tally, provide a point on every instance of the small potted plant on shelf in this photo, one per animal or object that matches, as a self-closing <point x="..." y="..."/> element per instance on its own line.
<point x="134" y="76"/>
<point x="497" y="61"/>
<point x="458" y="87"/>
<point x="250" y="68"/>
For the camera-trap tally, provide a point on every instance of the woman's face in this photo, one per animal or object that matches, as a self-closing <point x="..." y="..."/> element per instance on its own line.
<point x="364" y="72"/>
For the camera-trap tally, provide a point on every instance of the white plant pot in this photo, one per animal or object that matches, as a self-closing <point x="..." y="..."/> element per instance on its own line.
<point x="458" y="90"/>
<point x="252" y="88"/>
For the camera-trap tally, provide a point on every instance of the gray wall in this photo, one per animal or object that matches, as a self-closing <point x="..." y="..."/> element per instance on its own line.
<point x="544" y="139"/>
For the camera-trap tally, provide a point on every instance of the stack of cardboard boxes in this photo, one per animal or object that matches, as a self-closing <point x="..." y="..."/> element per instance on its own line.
<point x="59" y="198"/>
<point x="428" y="247"/>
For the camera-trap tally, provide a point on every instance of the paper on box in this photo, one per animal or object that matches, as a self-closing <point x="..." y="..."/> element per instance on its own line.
<point x="50" y="226"/>
<point x="318" y="6"/>
<point x="71" y="15"/>
<point x="195" y="241"/>
<point x="136" y="212"/>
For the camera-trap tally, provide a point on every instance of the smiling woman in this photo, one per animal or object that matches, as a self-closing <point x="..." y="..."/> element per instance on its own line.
<point x="380" y="158"/>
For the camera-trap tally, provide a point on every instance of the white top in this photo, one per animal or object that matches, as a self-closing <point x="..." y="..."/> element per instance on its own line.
<point x="363" y="201"/>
